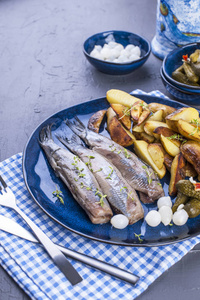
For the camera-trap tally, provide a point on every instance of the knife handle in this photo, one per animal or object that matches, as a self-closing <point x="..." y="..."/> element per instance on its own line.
<point x="53" y="250"/>
<point x="100" y="265"/>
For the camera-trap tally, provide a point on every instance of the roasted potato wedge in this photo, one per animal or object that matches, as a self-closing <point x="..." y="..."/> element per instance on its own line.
<point x="167" y="110"/>
<point x="170" y="134"/>
<point x="188" y="131"/>
<point x="157" y="116"/>
<point x="191" y="152"/>
<point x="185" y="113"/>
<point x="150" y="126"/>
<point x="143" y="136"/>
<point x="136" y="111"/>
<point x="110" y="114"/>
<point x="156" y="152"/>
<point x="141" y="149"/>
<point x="190" y="170"/>
<point x="169" y="147"/>
<point x="144" y="115"/>
<point x="123" y="114"/>
<point x="95" y="120"/>
<point x="119" y="133"/>
<point x="168" y="159"/>
<point x="121" y="97"/>
<point x="177" y="173"/>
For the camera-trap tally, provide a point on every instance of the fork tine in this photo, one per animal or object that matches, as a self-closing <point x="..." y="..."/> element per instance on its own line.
<point x="3" y="182"/>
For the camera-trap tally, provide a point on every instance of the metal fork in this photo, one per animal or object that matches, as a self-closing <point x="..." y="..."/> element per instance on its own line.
<point x="7" y="198"/>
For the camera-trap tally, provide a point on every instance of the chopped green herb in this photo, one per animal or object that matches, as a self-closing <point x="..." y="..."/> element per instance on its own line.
<point x="101" y="196"/>
<point x="177" y="137"/>
<point x="195" y="122"/>
<point x="109" y="175"/>
<point x="98" y="170"/>
<point x="126" y="112"/>
<point x="57" y="193"/>
<point x="126" y="153"/>
<point x="138" y="236"/>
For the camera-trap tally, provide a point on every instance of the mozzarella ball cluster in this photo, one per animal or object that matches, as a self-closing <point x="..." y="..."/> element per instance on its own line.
<point x="164" y="214"/>
<point x="116" y="53"/>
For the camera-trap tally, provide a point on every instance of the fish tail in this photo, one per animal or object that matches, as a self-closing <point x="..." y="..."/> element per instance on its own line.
<point x="77" y="127"/>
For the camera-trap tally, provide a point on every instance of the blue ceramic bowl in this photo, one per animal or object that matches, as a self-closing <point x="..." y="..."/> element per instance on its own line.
<point x="178" y="94"/>
<point x="174" y="60"/>
<point x="123" y="38"/>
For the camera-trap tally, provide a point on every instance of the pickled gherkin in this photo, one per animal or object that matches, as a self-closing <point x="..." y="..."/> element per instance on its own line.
<point x="189" y="72"/>
<point x="187" y="188"/>
<point x="192" y="77"/>
<point x="180" y="199"/>
<point x="193" y="208"/>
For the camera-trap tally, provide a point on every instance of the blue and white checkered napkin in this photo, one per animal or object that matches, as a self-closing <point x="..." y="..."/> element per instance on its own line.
<point x="32" y="269"/>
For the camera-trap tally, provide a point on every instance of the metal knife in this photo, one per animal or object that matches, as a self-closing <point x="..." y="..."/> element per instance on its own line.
<point x="13" y="227"/>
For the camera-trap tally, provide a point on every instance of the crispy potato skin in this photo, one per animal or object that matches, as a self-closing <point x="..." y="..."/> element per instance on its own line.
<point x="191" y="152"/>
<point x="95" y="120"/>
<point x="119" y="134"/>
<point x="121" y="97"/>
<point x="188" y="131"/>
<point x="168" y="159"/>
<point x="167" y="110"/>
<point x="157" y="154"/>
<point x="123" y="116"/>
<point x="185" y="113"/>
<point x="141" y="149"/>
<point x="177" y="173"/>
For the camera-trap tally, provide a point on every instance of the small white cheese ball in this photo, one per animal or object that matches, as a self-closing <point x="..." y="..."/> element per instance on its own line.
<point x="112" y="44"/>
<point x="94" y="52"/>
<point x="123" y="58"/>
<point x="98" y="55"/>
<point x="97" y="47"/>
<point x="153" y="218"/>
<point x="136" y="50"/>
<point x="119" y="221"/>
<point x="105" y="52"/>
<point x="133" y="57"/>
<point x="129" y="47"/>
<point x="166" y="214"/>
<point x="119" y="47"/>
<point x="164" y="201"/>
<point x="180" y="217"/>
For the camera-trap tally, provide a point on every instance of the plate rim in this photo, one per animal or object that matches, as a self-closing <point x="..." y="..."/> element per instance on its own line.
<point x="110" y="242"/>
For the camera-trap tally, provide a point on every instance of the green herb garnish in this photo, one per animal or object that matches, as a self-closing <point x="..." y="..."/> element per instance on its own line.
<point x="58" y="194"/>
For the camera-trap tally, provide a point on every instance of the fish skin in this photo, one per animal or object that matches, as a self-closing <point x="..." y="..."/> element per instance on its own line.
<point x="136" y="173"/>
<point x="122" y="198"/>
<point x="65" y="165"/>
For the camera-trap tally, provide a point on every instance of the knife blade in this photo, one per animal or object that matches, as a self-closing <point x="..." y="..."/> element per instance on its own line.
<point x="12" y="227"/>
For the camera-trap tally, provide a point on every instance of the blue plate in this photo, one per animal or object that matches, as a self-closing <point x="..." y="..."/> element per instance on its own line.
<point x="41" y="181"/>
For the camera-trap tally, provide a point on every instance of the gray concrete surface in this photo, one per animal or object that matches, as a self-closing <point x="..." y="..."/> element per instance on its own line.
<point x="43" y="70"/>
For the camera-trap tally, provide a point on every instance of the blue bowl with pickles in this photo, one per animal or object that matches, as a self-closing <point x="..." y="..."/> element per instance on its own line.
<point x="181" y="67"/>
